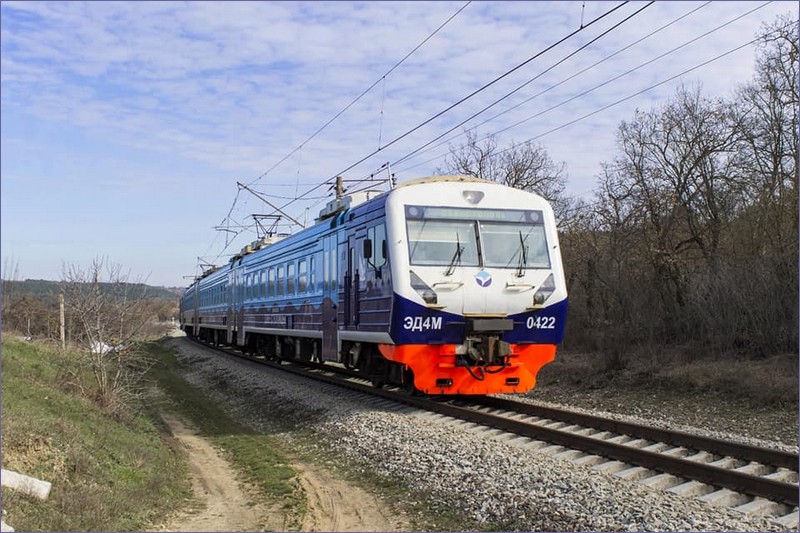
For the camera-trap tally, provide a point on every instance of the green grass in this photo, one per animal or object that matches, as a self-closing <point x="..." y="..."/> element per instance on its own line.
<point x="259" y="458"/>
<point x="106" y="474"/>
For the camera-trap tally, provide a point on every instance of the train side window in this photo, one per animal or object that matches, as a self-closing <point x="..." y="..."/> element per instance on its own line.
<point x="280" y="280"/>
<point x="326" y="273"/>
<point x="312" y="274"/>
<point x="334" y="269"/>
<point x="271" y="282"/>
<point x="290" y="273"/>
<point x="379" y="245"/>
<point x="302" y="276"/>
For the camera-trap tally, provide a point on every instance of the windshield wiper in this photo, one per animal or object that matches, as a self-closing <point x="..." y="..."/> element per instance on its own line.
<point x="456" y="257"/>
<point x="523" y="257"/>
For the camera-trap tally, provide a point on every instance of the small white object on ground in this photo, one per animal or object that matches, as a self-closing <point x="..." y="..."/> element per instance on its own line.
<point x="29" y="485"/>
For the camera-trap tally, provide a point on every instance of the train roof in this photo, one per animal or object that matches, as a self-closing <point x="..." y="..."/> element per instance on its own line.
<point x="463" y="178"/>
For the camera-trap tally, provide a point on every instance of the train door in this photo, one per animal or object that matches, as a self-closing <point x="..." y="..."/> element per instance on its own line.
<point x="196" y="310"/>
<point x="352" y="281"/>
<point x="230" y="297"/>
<point x="356" y="270"/>
<point x="330" y="299"/>
<point x="240" y="290"/>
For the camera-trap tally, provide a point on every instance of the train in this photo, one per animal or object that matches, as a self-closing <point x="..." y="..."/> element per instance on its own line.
<point x="443" y="285"/>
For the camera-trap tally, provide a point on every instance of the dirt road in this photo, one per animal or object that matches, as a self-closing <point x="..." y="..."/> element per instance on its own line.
<point x="228" y="505"/>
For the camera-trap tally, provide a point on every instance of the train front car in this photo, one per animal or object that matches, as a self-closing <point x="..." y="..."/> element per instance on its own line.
<point x="480" y="299"/>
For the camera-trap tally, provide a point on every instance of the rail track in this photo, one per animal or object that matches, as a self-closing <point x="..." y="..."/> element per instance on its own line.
<point x="750" y="479"/>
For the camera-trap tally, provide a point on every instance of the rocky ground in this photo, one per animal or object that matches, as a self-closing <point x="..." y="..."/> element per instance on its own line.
<point x="491" y="483"/>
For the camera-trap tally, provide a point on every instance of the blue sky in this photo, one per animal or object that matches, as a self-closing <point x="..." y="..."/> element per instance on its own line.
<point x="126" y="125"/>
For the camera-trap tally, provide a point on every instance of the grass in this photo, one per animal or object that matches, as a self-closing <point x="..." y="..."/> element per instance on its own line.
<point x="259" y="458"/>
<point x="106" y="474"/>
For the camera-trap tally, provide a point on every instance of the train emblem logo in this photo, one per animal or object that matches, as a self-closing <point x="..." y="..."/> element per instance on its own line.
<point x="483" y="278"/>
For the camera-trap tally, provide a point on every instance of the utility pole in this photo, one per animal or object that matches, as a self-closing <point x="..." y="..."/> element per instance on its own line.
<point x="61" y="322"/>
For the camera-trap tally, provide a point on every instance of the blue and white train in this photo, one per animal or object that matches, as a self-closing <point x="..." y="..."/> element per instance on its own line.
<point x="444" y="285"/>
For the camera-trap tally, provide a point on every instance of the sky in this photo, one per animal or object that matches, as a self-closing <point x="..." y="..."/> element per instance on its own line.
<point x="125" y="126"/>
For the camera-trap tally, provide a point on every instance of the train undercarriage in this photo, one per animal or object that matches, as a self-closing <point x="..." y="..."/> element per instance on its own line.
<point x="482" y="365"/>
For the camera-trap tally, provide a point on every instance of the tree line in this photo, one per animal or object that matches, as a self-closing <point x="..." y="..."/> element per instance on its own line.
<point x="690" y="241"/>
<point x="31" y="307"/>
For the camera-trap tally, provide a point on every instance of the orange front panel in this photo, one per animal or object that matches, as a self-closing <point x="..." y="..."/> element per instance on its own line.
<point x="432" y="362"/>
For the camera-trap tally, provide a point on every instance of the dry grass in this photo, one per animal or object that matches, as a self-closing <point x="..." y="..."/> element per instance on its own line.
<point x="772" y="381"/>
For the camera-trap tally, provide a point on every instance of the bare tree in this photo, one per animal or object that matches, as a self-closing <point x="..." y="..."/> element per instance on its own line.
<point x="768" y="109"/>
<point x="523" y="166"/>
<point x="108" y="315"/>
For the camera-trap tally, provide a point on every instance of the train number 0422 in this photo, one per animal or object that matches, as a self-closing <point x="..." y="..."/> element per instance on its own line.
<point x="541" y="322"/>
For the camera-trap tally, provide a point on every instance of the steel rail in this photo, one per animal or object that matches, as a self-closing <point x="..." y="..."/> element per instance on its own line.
<point x="736" y="450"/>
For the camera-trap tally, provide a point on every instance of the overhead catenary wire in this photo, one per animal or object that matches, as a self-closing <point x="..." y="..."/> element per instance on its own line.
<point x="577" y="96"/>
<point x="452" y="106"/>
<point x="426" y="148"/>
<point x="520" y="87"/>
<point x="360" y="96"/>
<point x="482" y="88"/>
<point x="336" y="116"/>
<point x="626" y="98"/>
<point x="464" y="99"/>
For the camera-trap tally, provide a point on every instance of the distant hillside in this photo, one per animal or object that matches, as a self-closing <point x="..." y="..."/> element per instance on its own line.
<point x="42" y="287"/>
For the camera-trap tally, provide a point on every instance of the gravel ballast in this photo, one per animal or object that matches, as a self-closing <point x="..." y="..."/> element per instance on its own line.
<point x="491" y="481"/>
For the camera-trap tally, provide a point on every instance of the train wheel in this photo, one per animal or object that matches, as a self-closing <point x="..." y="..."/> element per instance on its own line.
<point x="408" y="383"/>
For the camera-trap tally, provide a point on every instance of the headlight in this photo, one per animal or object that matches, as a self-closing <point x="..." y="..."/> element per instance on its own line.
<point x="422" y="288"/>
<point x="472" y="197"/>
<point x="545" y="290"/>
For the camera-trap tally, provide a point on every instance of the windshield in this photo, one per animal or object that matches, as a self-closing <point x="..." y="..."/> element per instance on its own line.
<point x="509" y="238"/>
<point x="435" y="242"/>
<point x="502" y="246"/>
